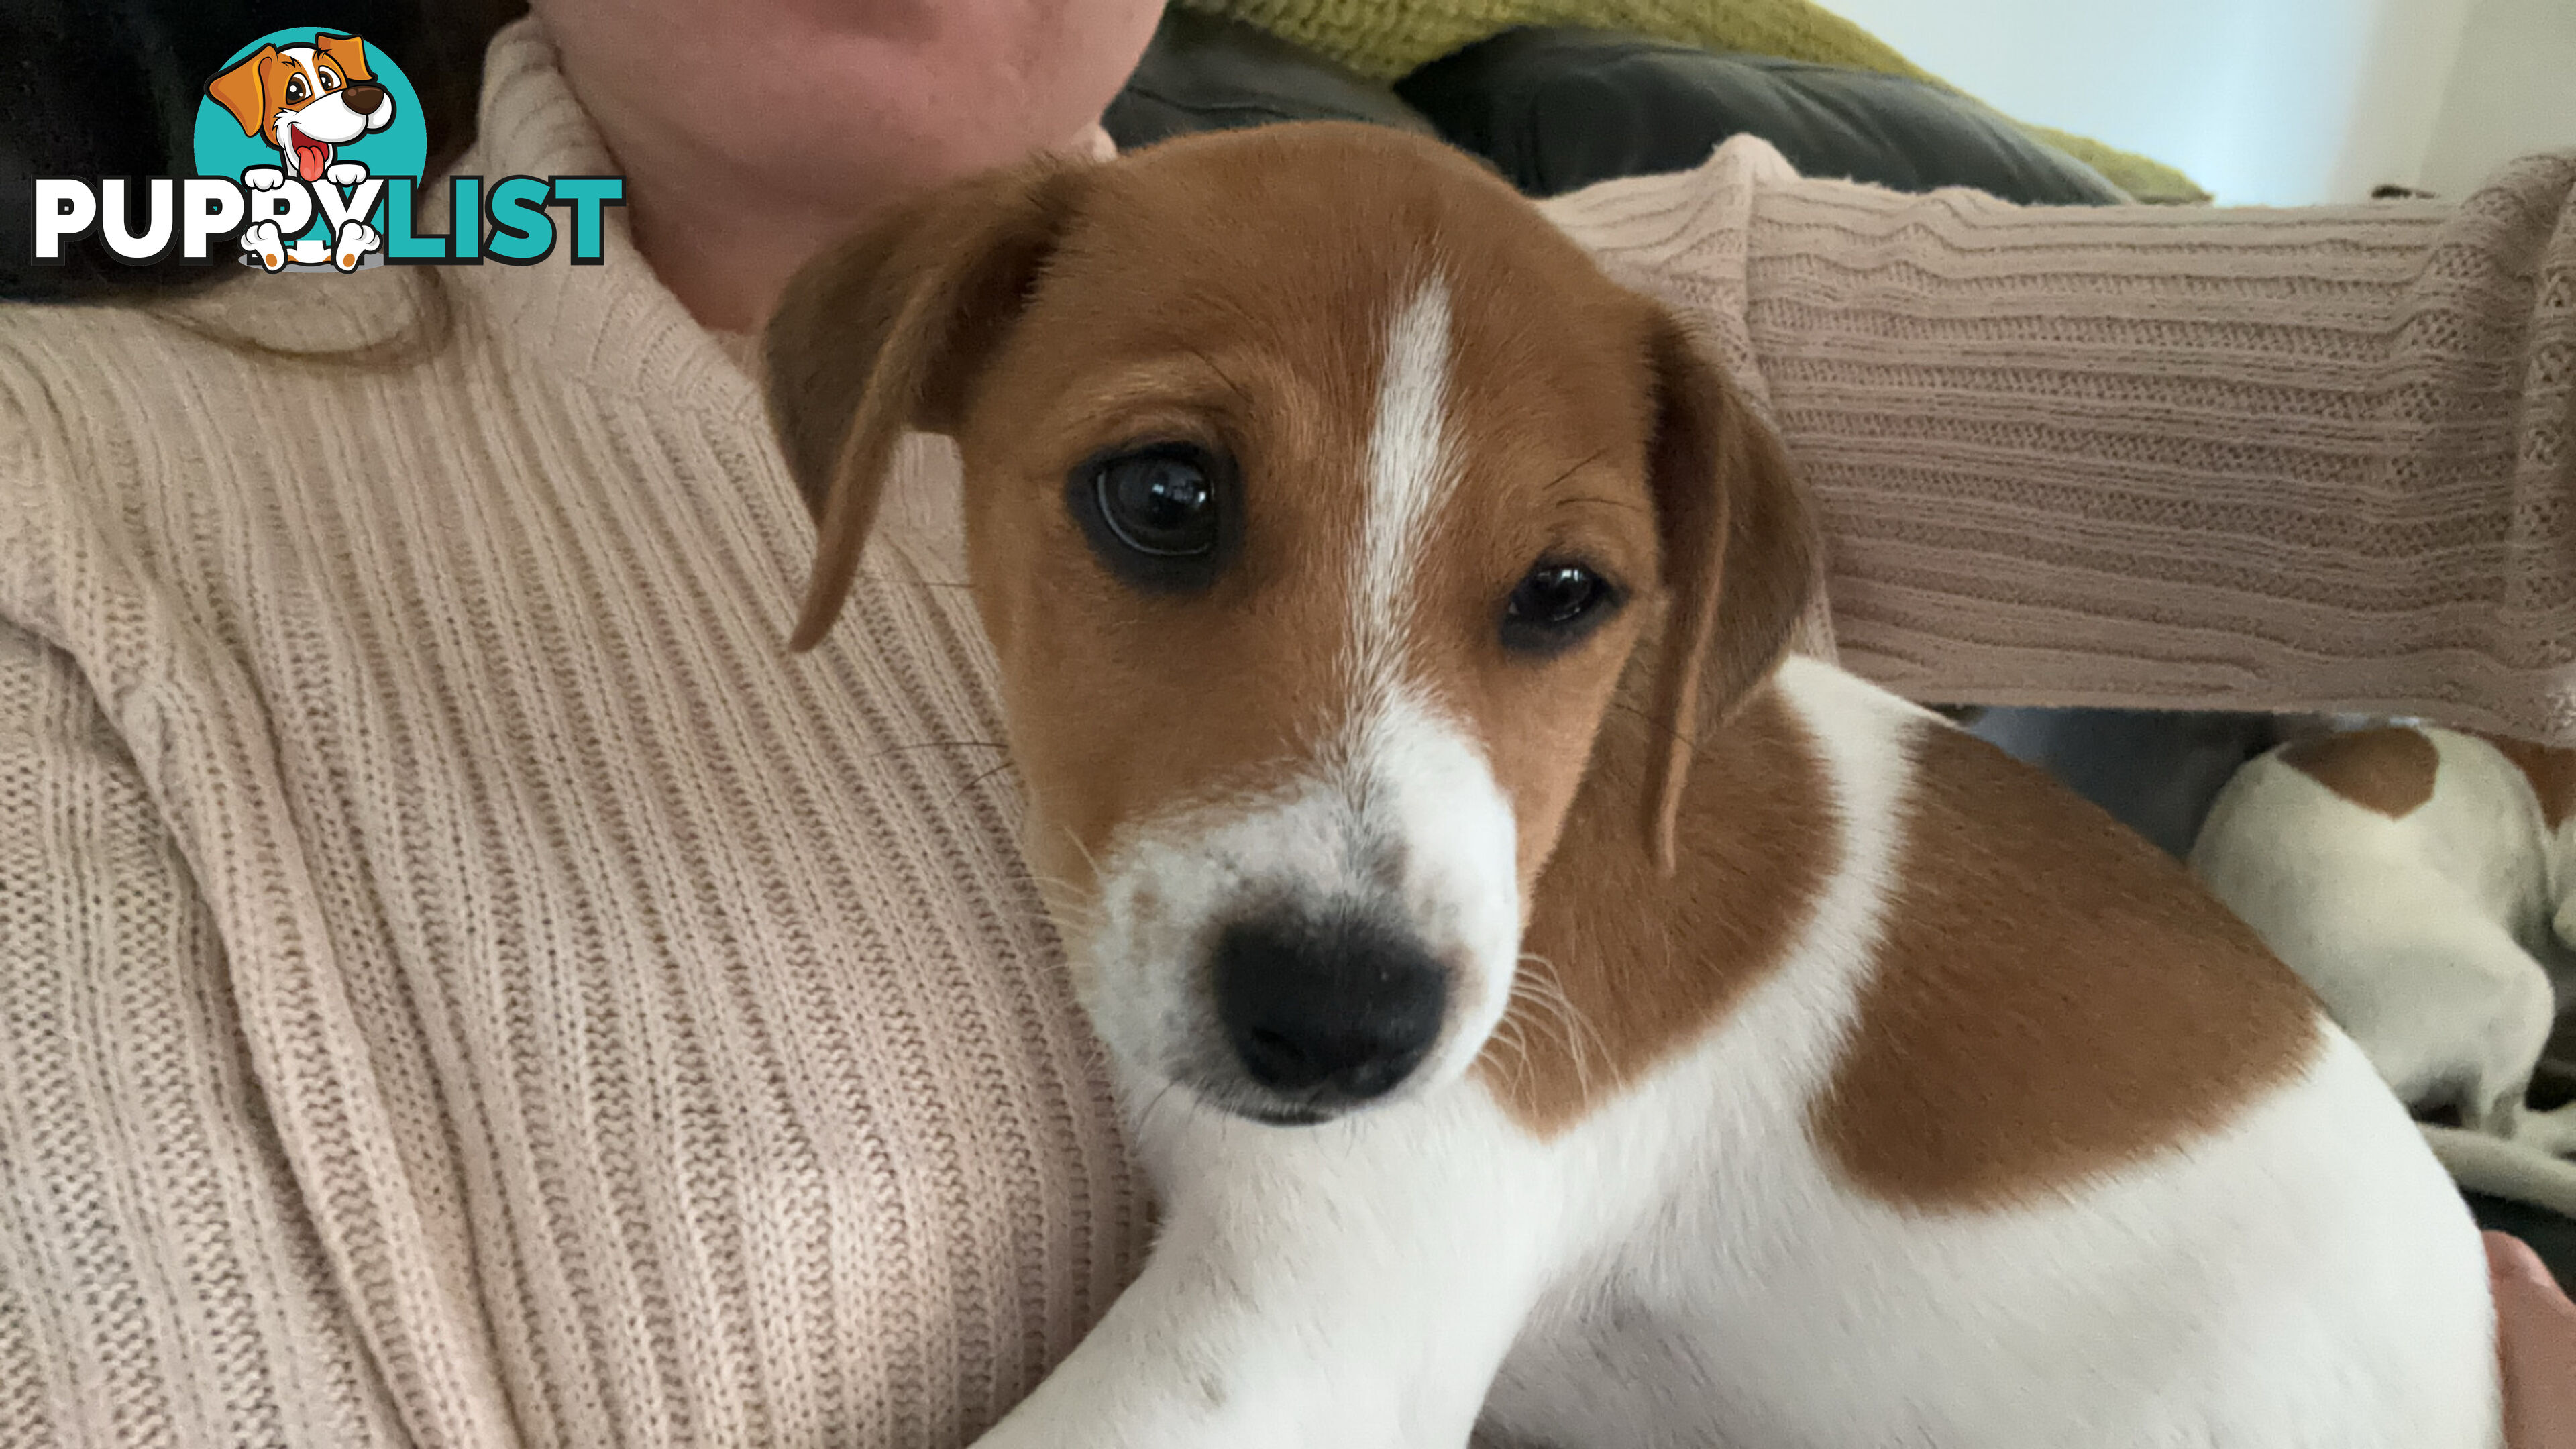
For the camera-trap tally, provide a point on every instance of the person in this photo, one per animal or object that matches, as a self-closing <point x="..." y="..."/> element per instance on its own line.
<point x="467" y="985"/>
<point x="2536" y="1327"/>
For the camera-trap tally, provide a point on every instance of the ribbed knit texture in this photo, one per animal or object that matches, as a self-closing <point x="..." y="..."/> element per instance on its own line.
<point x="462" y="983"/>
<point x="2314" y="459"/>
<point x="464" y="979"/>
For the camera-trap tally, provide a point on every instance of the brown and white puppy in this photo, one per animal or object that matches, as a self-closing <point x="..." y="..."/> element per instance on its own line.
<point x="308" y="101"/>
<point x="1537" y="999"/>
<point x="2423" y="881"/>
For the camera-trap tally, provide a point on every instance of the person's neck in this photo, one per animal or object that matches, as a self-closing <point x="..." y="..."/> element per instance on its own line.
<point x="725" y="243"/>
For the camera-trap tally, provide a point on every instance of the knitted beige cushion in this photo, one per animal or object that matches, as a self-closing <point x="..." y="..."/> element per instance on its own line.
<point x="1384" y="39"/>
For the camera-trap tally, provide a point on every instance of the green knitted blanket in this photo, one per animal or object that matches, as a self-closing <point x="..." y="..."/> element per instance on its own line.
<point x="1384" y="39"/>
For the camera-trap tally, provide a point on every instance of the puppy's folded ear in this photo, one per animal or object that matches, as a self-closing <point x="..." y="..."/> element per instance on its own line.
<point x="1739" y="555"/>
<point x="889" y="331"/>
<point x="243" y="90"/>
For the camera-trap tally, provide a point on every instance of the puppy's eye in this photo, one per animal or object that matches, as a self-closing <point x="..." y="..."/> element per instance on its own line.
<point x="1159" y="503"/>
<point x="330" y="82"/>
<point x="1554" y="606"/>
<point x="295" y="88"/>
<point x="1158" y="515"/>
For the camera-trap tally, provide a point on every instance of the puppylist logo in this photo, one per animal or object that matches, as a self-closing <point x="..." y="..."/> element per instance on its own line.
<point x="309" y="153"/>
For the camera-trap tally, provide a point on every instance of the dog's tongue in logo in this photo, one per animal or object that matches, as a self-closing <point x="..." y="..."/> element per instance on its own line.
<point x="311" y="157"/>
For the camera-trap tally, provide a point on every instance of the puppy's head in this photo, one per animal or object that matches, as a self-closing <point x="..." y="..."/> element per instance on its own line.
<point x="1319" y="494"/>
<point x="306" y="100"/>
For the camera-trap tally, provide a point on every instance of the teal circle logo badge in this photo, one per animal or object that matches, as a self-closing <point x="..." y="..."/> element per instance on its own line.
<point x="309" y="149"/>
<point x="332" y="115"/>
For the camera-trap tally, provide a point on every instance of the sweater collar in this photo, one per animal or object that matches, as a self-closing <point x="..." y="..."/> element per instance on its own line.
<point x="612" y="326"/>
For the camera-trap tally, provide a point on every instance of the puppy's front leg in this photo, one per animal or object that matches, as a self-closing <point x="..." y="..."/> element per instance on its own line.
<point x="1348" y="1286"/>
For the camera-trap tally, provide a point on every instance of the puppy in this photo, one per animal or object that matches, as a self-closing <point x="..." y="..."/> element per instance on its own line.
<point x="307" y="101"/>
<point x="2423" y="881"/>
<point x="1538" y="1000"/>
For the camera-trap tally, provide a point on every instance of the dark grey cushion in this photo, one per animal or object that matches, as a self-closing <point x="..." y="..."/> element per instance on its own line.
<point x="1559" y="108"/>
<point x="1207" y="73"/>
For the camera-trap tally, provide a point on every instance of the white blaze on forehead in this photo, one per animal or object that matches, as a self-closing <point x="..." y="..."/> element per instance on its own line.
<point x="1423" y="784"/>
<point x="1410" y="473"/>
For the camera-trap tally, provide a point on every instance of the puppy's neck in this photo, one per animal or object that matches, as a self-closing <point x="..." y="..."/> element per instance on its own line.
<point x="1624" y="964"/>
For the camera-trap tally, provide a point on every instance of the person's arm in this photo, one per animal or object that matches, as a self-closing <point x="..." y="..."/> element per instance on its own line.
<point x="2536" y="1334"/>
<point x="159" y="1283"/>
<point x="2312" y="459"/>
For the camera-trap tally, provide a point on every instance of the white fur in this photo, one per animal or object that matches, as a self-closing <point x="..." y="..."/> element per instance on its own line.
<point x="1684" y="1266"/>
<point x="2429" y="936"/>
<point x="1431" y="787"/>
<point x="1410" y="474"/>
<point x="1401" y="785"/>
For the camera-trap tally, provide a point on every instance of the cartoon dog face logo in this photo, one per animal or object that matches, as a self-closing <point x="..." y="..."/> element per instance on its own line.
<point x="306" y="100"/>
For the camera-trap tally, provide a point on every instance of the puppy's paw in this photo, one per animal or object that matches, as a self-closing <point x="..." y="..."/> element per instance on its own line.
<point x="345" y="173"/>
<point x="263" y="242"/>
<point x="356" y="240"/>
<point x="263" y="178"/>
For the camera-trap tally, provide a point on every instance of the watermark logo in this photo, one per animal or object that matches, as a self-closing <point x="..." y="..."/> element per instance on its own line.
<point x="309" y="150"/>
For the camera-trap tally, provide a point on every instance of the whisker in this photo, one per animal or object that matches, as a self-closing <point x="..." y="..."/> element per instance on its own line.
<point x="1545" y="996"/>
<point x="1087" y="857"/>
<point x="1657" y="725"/>
<point x="1210" y="364"/>
<point x="1577" y="468"/>
<point x="969" y="787"/>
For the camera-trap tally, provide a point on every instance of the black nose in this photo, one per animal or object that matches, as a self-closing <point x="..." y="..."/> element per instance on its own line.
<point x="365" y="98"/>
<point x="1335" y="1006"/>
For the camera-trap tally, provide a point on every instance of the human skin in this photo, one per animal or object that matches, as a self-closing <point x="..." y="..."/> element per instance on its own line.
<point x="2536" y="1325"/>
<point x="752" y="135"/>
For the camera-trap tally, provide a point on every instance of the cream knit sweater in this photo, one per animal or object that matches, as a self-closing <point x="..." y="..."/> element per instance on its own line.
<point x="463" y="983"/>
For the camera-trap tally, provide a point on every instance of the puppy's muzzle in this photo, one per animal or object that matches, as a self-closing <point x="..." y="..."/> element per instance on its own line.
<point x="1325" y="1010"/>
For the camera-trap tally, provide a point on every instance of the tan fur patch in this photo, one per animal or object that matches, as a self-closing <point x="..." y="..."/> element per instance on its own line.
<point x="2389" y="771"/>
<point x="2054" y="998"/>
<point x="2551" y="771"/>
<point x="1629" y="964"/>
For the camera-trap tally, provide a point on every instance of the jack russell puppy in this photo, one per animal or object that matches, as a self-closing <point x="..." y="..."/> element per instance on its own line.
<point x="2423" y="881"/>
<point x="1538" y="1001"/>
<point x="307" y="101"/>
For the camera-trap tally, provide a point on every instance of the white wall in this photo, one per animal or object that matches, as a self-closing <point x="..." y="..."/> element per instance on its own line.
<point x="2278" y="102"/>
<point x="2512" y="91"/>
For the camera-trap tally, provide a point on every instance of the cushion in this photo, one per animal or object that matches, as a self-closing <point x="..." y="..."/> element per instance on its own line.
<point x="1208" y="73"/>
<point x="1384" y="39"/>
<point x="1558" y="109"/>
